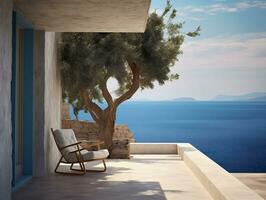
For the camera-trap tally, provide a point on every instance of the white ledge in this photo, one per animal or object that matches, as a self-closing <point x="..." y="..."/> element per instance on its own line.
<point x="153" y="148"/>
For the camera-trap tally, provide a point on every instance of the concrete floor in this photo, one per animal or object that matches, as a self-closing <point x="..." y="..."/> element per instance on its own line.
<point x="255" y="181"/>
<point x="156" y="177"/>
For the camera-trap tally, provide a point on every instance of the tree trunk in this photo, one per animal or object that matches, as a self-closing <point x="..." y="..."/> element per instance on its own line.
<point x="106" y="130"/>
<point x="106" y="118"/>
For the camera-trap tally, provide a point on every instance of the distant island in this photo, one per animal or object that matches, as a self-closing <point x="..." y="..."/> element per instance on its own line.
<point x="255" y="96"/>
<point x="184" y="99"/>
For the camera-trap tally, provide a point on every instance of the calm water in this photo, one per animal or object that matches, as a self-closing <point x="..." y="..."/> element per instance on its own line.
<point x="231" y="133"/>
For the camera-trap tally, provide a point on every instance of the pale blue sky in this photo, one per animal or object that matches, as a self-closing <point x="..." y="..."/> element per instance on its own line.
<point x="228" y="58"/>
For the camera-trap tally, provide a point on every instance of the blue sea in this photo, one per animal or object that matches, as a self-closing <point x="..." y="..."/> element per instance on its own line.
<point x="233" y="134"/>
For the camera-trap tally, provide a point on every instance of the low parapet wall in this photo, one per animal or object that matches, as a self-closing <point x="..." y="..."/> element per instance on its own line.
<point x="153" y="148"/>
<point x="220" y="184"/>
<point x="85" y="130"/>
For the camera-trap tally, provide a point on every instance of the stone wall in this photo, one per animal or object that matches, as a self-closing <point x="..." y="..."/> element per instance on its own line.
<point x="65" y="111"/>
<point x="88" y="130"/>
<point x="5" y="98"/>
<point x="83" y="130"/>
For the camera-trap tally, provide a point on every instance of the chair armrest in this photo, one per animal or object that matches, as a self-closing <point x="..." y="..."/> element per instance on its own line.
<point x="74" y="144"/>
<point x="93" y="143"/>
<point x="78" y="150"/>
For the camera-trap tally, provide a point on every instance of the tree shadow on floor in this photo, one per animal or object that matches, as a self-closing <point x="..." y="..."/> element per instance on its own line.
<point x="93" y="186"/>
<point x="88" y="187"/>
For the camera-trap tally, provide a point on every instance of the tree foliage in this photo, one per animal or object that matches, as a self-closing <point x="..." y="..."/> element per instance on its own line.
<point x="90" y="59"/>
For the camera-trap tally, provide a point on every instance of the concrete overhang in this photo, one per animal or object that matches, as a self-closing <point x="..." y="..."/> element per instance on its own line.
<point x="85" y="15"/>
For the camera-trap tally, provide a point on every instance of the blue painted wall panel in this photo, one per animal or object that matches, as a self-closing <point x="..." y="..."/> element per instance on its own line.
<point x="13" y="95"/>
<point x="27" y="97"/>
<point x="28" y="102"/>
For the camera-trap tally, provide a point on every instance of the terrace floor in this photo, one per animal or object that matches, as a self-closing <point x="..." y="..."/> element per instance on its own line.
<point x="255" y="181"/>
<point x="156" y="177"/>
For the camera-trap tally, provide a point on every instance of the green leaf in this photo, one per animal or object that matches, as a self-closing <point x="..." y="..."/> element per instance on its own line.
<point x="194" y="33"/>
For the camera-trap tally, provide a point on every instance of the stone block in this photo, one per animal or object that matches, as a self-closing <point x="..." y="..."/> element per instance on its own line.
<point x="120" y="149"/>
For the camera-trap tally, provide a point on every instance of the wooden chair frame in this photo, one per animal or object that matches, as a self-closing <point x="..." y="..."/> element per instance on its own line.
<point x="80" y="159"/>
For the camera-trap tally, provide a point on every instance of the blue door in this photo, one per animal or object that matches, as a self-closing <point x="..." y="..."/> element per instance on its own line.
<point x="22" y="100"/>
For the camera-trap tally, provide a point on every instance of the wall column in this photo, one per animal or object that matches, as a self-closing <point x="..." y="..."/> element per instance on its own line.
<point x="5" y="98"/>
<point x="39" y="168"/>
<point x="53" y="98"/>
<point x="47" y="101"/>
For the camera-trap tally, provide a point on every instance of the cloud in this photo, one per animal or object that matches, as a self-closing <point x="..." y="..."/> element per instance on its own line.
<point x="182" y="15"/>
<point x="238" y="51"/>
<point x="158" y="11"/>
<point x="200" y="12"/>
<point x="226" y="64"/>
<point x="231" y="65"/>
<point x="225" y="7"/>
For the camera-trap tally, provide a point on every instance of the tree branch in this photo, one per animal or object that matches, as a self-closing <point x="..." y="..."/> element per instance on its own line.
<point x="106" y="94"/>
<point x="134" y="87"/>
<point x="91" y="105"/>
<point x="94" y="116"/>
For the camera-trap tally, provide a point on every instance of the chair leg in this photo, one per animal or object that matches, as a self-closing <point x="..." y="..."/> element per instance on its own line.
<point x="98" y="170"/>
<point x="83" y="168"/>
<point x="67" y="173"/>
<point x="81" y="165"/>
<point x="55" y="170"/>
<point x="71" y="167"/>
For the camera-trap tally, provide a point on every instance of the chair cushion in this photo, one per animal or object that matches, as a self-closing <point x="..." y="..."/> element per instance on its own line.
<point x="64" y="137"/>
<point x="88" y="155"/>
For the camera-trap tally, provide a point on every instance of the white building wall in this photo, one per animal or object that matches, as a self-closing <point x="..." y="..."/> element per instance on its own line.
<point x="47" y="98"/>
<point x="53" y="95"/>
<point x="47" y="106"/>
<point x="5" y="99"/>
<point x="47" y="101"/>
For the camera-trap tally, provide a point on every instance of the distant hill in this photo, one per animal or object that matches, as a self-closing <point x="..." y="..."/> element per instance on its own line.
<point x="255" y="96"/>
<point x="184" y="99"/>
<point x="263" y="98"/>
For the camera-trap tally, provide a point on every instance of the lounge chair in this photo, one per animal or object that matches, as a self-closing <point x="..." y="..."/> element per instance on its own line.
<point x="72" y="152"/>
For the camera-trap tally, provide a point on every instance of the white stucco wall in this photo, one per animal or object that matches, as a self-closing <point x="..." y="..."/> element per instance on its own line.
<point x="5" y="98"/>
<point x="47" y="106"/>
<point x="52" y="99"/>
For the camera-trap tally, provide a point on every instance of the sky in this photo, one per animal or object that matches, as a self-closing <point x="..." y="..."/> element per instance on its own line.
<point x="228" y="58"/>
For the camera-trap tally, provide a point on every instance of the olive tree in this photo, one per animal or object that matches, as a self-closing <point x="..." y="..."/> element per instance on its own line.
<point x="135" y="60"/>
